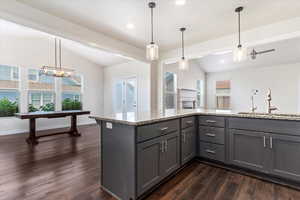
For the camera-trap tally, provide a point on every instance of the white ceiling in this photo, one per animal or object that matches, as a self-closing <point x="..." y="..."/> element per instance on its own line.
<point x="97" y="56"/>
<point x="286" y="51"/>
<point x="204" y="19"/>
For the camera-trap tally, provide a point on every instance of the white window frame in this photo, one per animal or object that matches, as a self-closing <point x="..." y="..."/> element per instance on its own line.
<point x="222" y="95"/>
<point x="42" y="96"/>
<point x="200" y="92"/>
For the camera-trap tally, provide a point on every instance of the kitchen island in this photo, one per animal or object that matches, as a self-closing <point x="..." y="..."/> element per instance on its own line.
<point x="139" y="152"/>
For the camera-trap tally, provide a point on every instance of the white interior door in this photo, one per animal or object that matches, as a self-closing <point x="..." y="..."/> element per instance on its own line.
<point x="126" y="96"/>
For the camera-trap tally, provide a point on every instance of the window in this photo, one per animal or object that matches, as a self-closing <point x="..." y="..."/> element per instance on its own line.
<point x="72" y="93"/>
<point x="200" y="93"/>
<point x="9" y="92"/>
<point x="170" y="81"/>
<point x="41" y="92"/>
<point x="223" y="95"/>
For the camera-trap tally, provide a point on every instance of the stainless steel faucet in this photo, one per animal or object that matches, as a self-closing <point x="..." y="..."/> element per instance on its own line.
<point x="253" y="108"/>
<point x="269" y="99"/>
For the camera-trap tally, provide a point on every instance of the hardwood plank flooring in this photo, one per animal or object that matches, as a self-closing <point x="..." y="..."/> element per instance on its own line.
<point x="65" y="168"/>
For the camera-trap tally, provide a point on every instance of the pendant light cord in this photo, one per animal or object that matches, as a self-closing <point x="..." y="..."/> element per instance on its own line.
<point x="152" y="39"/>
<point x="239" y="16"/>
<point x="182" y="43"/>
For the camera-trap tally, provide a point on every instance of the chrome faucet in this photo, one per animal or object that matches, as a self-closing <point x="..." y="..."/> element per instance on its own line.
<point x="269" y="99"/>
<point x="253" y="108"/>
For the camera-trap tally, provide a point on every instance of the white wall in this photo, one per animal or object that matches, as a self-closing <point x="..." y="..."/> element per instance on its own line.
<point x="284" y="80"/>
<point x="136" y="69"/>
<point x="34" y="52"/>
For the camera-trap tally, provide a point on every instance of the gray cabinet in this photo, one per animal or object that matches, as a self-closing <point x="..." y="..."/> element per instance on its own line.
<point x="188" y="144"/>
<point x="212" y="151"/>
<point x="149" y="161"/>
<point x="248" y="149"/>
<point x="170" y="157"/>
<point x="285" y="159"/>
<point x="157" y="158"/>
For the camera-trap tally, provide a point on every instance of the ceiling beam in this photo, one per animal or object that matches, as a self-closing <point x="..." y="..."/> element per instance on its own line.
<point x="261" y="35"/>
<point x="23" y="14"/>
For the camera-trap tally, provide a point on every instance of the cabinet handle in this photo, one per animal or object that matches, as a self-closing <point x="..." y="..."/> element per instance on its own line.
<point x="210" y="135"/>
<point x="183" y="137"/>
<point x="162" y="146"/>
<point x="189" y="122"/>
<point x="265" y="141"/>
<point x="211" y="121"/>
<point x="166" y="145"/>
<point x="164" y="129"/>
<point x="210" y="151"/>
<point x="271" y="142"/>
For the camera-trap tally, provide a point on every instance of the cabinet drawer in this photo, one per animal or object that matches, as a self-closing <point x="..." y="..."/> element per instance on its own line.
<point x="212" y="134"/>
<point x="212" y="151"/>
<point x="212" y="121"/>
<point x="266" y="125"/>
<point x="187" y="122"/>
<point x="150" y="131"/>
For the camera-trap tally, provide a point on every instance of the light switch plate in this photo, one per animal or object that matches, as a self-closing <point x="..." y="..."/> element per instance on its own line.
<point x="108" y="125"/>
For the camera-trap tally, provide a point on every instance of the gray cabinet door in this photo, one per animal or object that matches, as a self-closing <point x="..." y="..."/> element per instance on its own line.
<point x="149" y="164"/>
<point x="170" y="158"/>
<point x="285" y="159"/>
<point x="188" y="144"/>
<point x="248" y="149"/>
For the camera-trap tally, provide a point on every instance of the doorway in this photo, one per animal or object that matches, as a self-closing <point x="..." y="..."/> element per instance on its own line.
<point x="125" y="97"/>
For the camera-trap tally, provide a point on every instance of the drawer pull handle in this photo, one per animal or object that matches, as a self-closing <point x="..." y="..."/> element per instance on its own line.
<point x="164" y="129"/>
<point x="166" y="145"/>
<point x="184" y="137"/>
<point x="211" y="121"/>
<point x="189" y="122"/>
<point x="210" y="135"/>
<point x="210" y="151"/>
<point x="162" y="147"/>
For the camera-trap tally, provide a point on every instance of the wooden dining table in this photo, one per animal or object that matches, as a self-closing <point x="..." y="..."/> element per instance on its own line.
<point x="33" y="137"/>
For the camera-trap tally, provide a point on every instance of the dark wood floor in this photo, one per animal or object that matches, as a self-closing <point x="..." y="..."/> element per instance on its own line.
<point x="64" y="168"/>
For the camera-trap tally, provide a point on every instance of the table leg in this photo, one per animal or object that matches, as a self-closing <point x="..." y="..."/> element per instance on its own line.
<point x="32" y="140"/>
<point x="74" y="131"/>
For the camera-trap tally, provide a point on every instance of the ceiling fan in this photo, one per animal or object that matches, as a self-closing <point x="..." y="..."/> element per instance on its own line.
<point x="254" y="53"/>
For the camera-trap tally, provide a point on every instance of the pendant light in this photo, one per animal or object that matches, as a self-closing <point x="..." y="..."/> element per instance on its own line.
<point x="57" y="70"/>
<point x="240" y="52"/>
<point x="183" y="63"/>
<point x="152" y="48"/>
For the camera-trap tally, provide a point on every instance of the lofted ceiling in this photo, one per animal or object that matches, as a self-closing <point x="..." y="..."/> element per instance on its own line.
<point x="286" y="51"/>
<point x="97" y="56"/>
<point x="204" y="19"/>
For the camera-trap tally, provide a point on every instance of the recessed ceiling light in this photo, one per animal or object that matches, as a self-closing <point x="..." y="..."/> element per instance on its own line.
<point x="130" y="26"/>
<point x="222" y="61"/>
<point x="180" y="2"/>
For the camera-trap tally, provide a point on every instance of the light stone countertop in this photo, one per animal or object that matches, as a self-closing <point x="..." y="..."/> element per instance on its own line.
<point x="143" y="118"/>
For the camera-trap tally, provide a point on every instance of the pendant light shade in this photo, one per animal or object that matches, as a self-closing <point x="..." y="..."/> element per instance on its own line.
<point x="152" y="49"/>
<point x="183" y="63"/>
<point x="240" y="52"/>
<point x="152" y="52"/>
